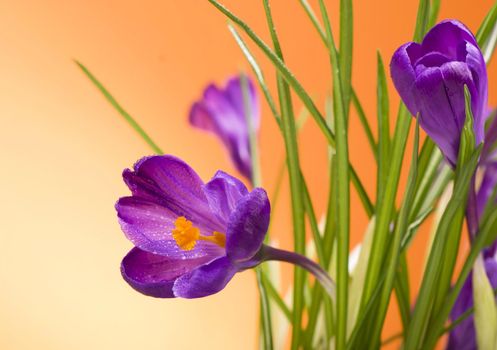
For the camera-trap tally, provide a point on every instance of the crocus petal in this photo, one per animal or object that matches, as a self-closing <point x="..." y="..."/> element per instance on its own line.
<point x="222" y="112"/>
<point x="177" y="186"/>
<point x="436" y="115"/>
<point x="248" y="225"/>
<point x="431" y="59"/>
<point x="234" y="93"/>
<point x="153" y="274"/>
<point x="149" y="226"/>
<point x="403" y="74"/>
<point x="446" y="36"/>
<point x="231" y="127"/>
<point x="224" y="192"/>
<point x="141" y="187"/>
<point x="201" y="117"/>
<point x="143" y="221"/>
<point x="455" y="76"/>
<point x="205" y="280"/>
<point x="476" y="63"/>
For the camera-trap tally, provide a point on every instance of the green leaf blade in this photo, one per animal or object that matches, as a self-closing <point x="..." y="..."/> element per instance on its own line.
<point x="296" y="186"/>
<point x="383" y="150"/>
<point x="486" y="36"/>
<point x="395" y="250"/>
<point x="346" y="46"/>
<point x="127" y="117"/>
<point x="343" y="192"/>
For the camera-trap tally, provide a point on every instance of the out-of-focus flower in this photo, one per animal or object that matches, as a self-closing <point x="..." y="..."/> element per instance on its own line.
<point x="463" y="336"/>
<point x="430" y="79"/>
<point x="487" y="171"/>
<point x="487" y="186"/>
<point x="489" y="151"/>
<point x="221" y="111"/>
<point x="190" y="238"/>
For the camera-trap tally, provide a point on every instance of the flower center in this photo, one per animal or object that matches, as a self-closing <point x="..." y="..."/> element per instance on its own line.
<point x="186" y="235"/>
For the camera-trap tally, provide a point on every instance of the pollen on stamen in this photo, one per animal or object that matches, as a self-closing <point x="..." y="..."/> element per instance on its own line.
<point x="220" y="239"/>
<point x="185" y="234"/>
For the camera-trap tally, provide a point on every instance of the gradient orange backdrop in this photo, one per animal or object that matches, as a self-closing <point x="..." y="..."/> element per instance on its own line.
<point x="63" y="149"/>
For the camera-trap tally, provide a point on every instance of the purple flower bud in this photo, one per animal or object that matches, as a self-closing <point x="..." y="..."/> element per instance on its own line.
<point x="221" y="111"/>
<point x="190" y="237"/>
<point x="430" y="79"/>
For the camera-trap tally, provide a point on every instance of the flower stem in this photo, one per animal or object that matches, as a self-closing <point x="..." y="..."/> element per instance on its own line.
<point x="254" y="149"/>
<point x="295" y="179"/>
<point x="270" y="253"/>
<point x="265" y="309"/>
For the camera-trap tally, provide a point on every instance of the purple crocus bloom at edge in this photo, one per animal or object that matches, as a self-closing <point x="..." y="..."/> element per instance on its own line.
<point x="221" y="111"/>
<point x="463" y="336"/>
<point x="430" y="79"/>
<point x="190" y="237"/>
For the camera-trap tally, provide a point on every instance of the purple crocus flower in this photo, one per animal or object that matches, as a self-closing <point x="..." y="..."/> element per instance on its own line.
<point x="430" y="79"/>
<point x="463" y="336"/>
<point x="221" y="111"/>
<point x="190" y="237"/>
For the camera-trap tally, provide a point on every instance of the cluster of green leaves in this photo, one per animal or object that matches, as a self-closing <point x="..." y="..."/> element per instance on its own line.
<point x="356" y="320"/>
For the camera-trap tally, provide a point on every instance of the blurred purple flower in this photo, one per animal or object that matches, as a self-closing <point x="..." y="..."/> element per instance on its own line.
<point x="430" y="79"/>
<point x="463" y="336"/>
<point x="487" y="171"/>
<point x="190" y="238"/>
<point x="221" y="111"/>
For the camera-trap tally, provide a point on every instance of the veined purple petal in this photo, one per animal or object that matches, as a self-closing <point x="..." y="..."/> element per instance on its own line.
<point x="455" y="76"/>
<point x="154" y="275"/>
<point x="478" y="68"/>
<point x="143" y="220"/>
<point x="436" y="116"/>
<point x="248" y="225"/>
<point x="222" y="112"/>
<point x="446" y="36"/>
<point x="171" y="183"/>
<point x="403" y="74"/>
<point x="149" y="226"/>
<point x="224" y="192"/>
<point x="432" y="59"/>
<point x="142" y="187"/>
<point x="173" y="177"/>
<point x="205" y="280"/>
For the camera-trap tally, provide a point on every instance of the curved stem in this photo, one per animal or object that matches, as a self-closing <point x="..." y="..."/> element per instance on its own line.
<point x="270" y="253"/>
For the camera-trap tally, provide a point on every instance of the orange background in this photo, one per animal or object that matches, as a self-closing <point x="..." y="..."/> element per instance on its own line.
<point x="63" y="149"/>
